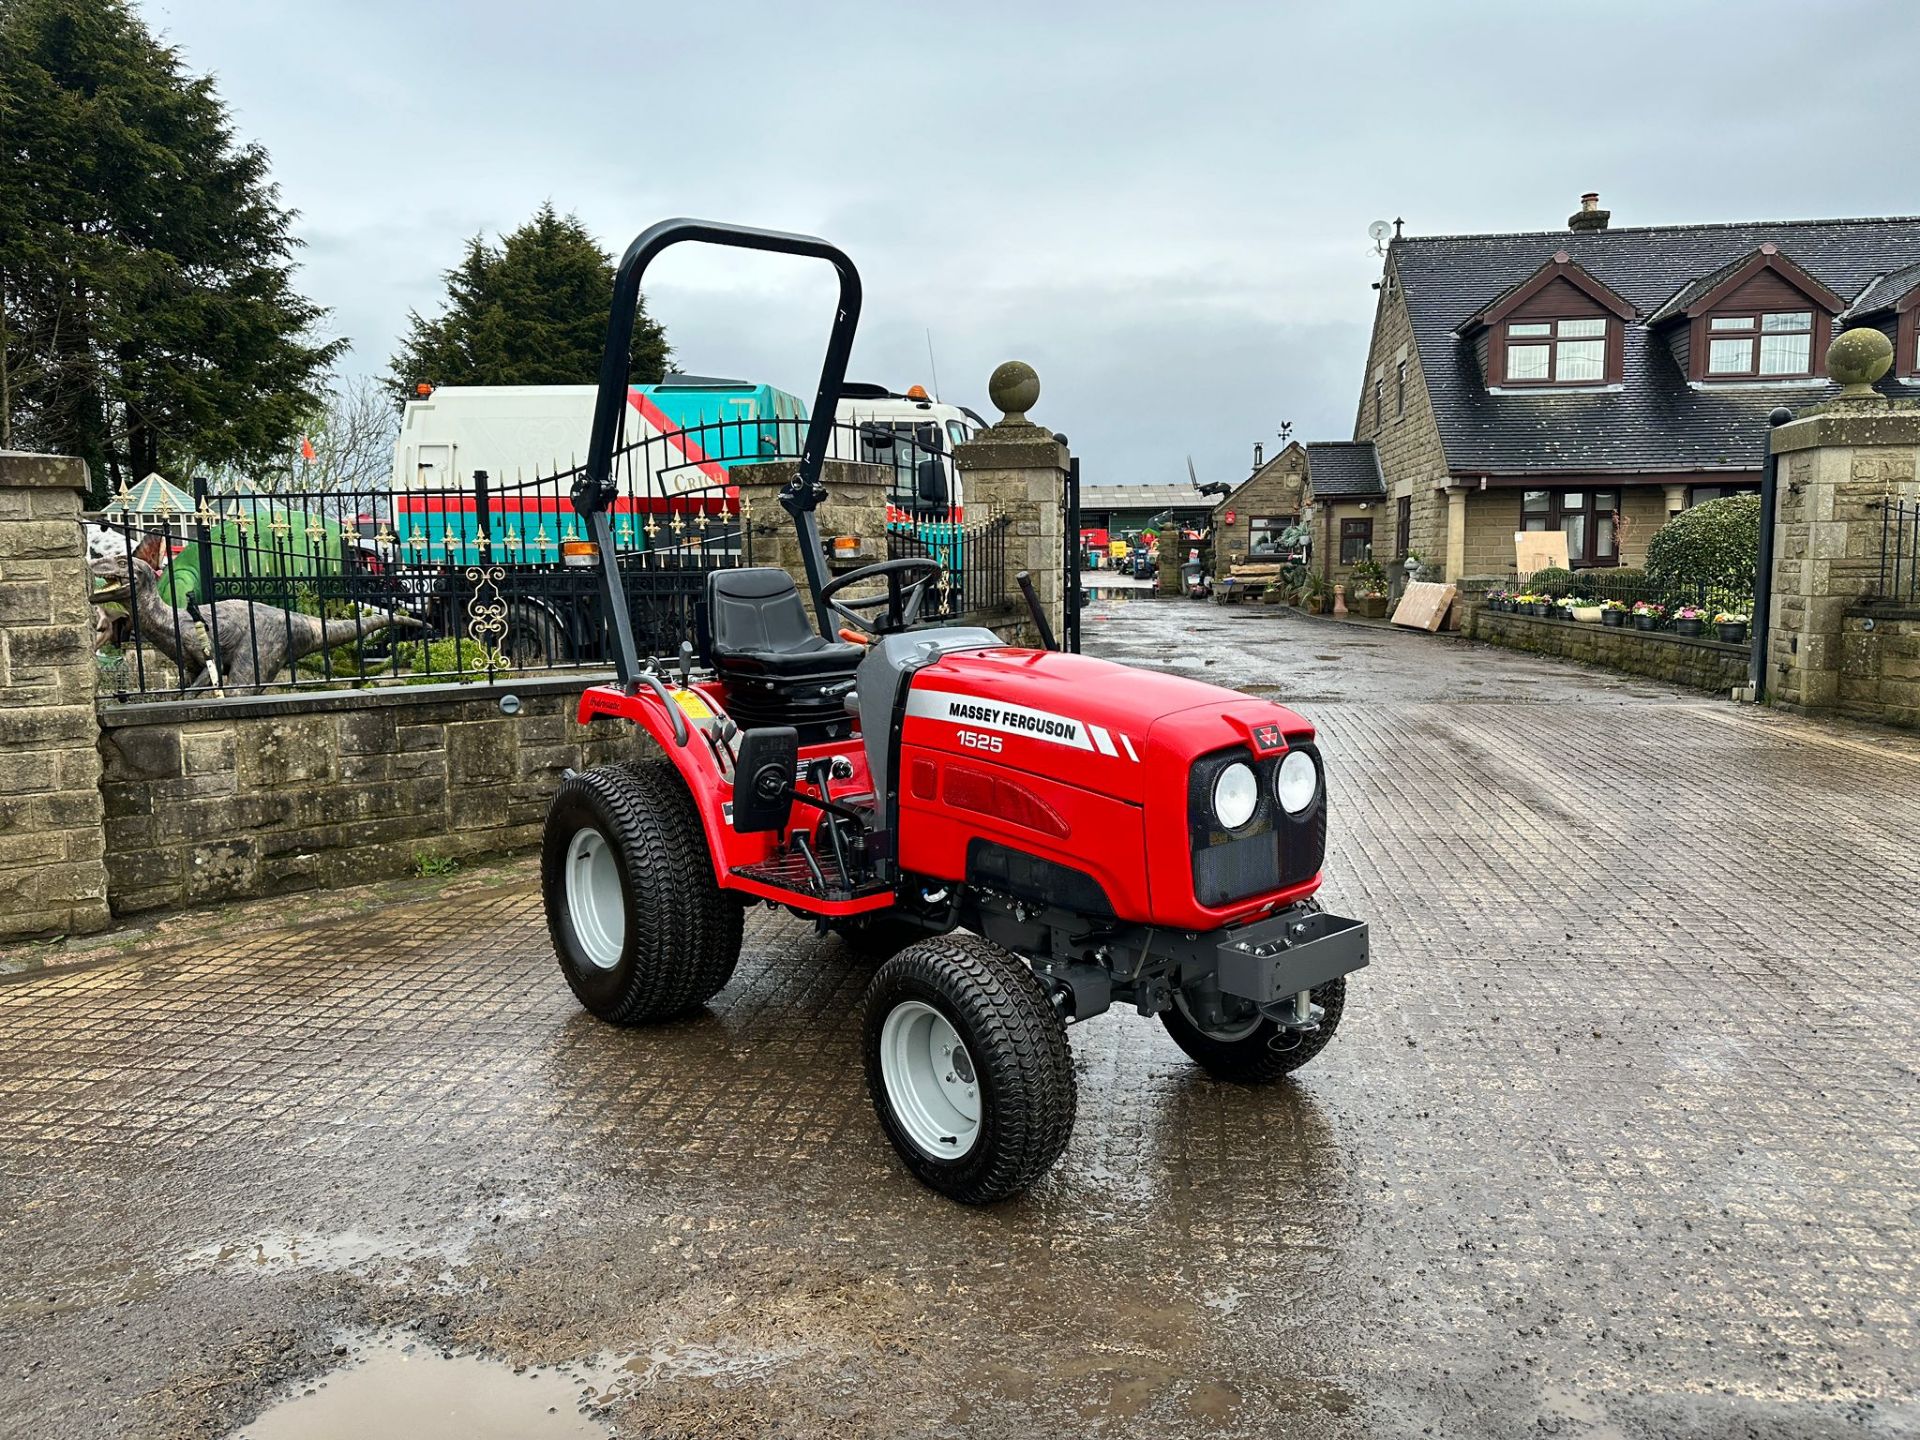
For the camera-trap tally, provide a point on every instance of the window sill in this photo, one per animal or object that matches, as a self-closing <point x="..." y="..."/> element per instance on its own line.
<point x="1615" y="388"/>
<point x="1747" y="382"/>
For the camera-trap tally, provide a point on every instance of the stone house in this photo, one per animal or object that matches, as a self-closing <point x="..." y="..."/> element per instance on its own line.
<point x="1598" y="381"/>
<point x="1250" y="519"/>
<point x="1346" y="495"/>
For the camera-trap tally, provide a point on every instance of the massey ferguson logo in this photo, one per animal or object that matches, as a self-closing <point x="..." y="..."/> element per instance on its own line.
<point x="1028" y="722"/>
<point x="1267" y="737"/>
<point x="1020" y="720"/>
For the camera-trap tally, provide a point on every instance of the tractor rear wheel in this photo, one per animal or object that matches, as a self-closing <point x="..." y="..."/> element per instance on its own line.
<point x="641" y="930"/>
<point x="968" y="1065"/>
<point x="1253" y="1050"/>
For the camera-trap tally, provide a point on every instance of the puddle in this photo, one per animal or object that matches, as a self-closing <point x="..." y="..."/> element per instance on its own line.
<point x="427" y="1396"/>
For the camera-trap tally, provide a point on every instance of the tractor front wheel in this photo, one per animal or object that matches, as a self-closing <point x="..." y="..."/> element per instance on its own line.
<point x="641" y="929"/>
<point x="968" y="1065"/>
<point x="1250" y="1049"/>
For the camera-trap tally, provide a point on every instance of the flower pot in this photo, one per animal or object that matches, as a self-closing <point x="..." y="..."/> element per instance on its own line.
<point x="1734" y="634"/>
<point x="1587" y="614"/>
<point x="1369" y="607"/>
<point x="1690" y="627"/>
<point x="1646" y="622"/>
<point x="1615" y="618"/>
<point x="1543" y="611"/>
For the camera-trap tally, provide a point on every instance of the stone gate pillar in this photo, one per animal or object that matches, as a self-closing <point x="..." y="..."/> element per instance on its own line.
<point x="1839" y="463"/>
<point x="53" y="876"/>
<point x="1017" y="470"/>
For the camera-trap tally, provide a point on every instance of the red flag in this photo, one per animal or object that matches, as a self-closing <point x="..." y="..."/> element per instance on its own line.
<point x="306" y="448"/>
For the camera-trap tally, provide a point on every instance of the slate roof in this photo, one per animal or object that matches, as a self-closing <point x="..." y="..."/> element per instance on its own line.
<point x="1344" y="469"/>
<point x="1884" y="293"/>
<point x="1655" y="422"/>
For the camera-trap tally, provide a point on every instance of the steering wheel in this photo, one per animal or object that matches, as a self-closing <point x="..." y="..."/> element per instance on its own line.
<point x="908" y="582"/>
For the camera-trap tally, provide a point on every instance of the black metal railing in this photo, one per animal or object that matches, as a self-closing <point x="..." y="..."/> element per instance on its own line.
<point x="1898" y="579"/>
<point x="477" y="582"/>
<point x="1551" y="594"/>
<point x="972" y="559"/>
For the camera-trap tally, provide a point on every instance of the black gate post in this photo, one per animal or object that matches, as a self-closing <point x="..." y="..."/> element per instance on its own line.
<point x="1763" y="582"/>
<point x="1071" y="588"/>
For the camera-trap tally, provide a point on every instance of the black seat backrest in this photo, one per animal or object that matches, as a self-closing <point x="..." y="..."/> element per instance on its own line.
<point x="756" y="610"/>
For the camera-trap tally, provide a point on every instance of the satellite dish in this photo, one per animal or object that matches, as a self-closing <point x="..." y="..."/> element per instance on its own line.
<point x="1378" y="232"/>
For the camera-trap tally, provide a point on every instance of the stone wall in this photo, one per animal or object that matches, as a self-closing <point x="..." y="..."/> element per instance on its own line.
<point x="1839" y="462"/>
<point x="222" y="799"/>
<point x="1880" y="664"/>
<point x="1411" y="457"/>
<point x="1276" y="488"/>
<point x="1018" y="470"/>
<point x="1659" y="655"/>
<point x="856" y="506"/>
<point x="52" y="879"/>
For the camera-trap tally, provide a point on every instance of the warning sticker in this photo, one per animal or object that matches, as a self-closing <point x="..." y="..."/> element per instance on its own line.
<point x="693" y="704"/>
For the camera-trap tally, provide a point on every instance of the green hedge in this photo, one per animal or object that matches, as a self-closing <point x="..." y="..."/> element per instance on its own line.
<point x="1715" y="544"/>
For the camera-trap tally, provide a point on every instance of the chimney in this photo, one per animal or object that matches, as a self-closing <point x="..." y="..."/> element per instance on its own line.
<point x="1589" y="216"/>
<point x="1258" y="450"/>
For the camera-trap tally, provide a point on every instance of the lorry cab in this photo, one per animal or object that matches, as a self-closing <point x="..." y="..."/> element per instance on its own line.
<point x="913" y="434"/>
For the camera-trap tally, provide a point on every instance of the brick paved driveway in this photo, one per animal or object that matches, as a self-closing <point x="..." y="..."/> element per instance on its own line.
<point x="1618" y="1139"/>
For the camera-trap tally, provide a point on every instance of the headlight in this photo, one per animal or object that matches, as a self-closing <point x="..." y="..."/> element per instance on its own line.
<point x="1236" y="794"/>
<point x="1296" y="782"/>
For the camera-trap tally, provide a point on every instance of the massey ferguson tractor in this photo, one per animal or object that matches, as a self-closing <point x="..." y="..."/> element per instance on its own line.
<point x="1027" y="837"/>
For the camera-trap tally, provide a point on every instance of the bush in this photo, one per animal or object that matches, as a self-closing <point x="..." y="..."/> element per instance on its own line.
<point x="1717" y="544"/>
<point x="427" y="662"/>
<point x="1551" y="581"/>
<point x="1625" y="584"/>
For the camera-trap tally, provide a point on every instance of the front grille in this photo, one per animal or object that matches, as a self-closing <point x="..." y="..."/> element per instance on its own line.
<point x="1271" y="851"/>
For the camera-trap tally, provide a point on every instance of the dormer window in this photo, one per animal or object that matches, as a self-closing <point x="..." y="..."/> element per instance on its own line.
<point x="1559" y="326"/>
<point x="1772" y="344"/>
<point x="1557" y="352"/>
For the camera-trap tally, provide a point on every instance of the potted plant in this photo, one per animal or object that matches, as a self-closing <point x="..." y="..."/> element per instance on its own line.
<point x="1690" y="620"/>
<point x="1313" y="595"/>
<point x="1647" y="615"/>
<point x="1273" y="594"/>
<point x="1496" y="599"/>
<point x="1613" y="612"/>
<point x="1543" y="606"/>
<point x="1585" y="610"/>
<point x="1732" y="629"/>
<point x="1367" y="594"/>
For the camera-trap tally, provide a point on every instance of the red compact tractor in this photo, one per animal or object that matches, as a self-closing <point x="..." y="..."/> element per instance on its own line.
<point x="1032" y="837"/>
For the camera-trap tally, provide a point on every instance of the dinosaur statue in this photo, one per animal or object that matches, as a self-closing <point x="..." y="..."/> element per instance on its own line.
<point x="256" y="641"/>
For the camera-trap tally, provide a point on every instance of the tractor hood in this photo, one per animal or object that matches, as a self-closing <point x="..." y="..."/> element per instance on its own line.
<point x="1089" y="722"/>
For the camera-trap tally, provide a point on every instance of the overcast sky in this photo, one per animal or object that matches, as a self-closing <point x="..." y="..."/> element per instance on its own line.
<point x="1162" y="207"/>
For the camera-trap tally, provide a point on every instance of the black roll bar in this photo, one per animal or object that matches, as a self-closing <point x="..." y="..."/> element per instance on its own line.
<point x="594" y="491"/>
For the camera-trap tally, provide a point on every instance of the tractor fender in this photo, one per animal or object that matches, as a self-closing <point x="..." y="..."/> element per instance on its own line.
<point x="694" y="760"/>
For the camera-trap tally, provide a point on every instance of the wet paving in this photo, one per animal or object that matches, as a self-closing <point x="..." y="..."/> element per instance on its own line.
<point x="1617" y="1139"/>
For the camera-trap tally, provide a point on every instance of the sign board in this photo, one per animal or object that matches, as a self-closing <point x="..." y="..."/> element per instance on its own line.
<point x="1425" y="605"/>
<point x="1539" y="550"/>
<point x="1229" y="517"/>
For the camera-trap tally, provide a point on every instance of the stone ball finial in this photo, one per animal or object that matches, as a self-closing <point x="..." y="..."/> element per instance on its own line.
<point x="1014" y="389"/>
<point x="1857" y="358"/>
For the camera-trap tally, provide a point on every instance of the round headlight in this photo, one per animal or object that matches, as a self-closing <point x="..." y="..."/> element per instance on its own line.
<point x="1296" y="782"/>
<point x="1235" y="795"/>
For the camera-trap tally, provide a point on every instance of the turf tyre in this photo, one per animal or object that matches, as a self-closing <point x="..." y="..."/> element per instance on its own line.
<point x="1018" y="1049"/>
<point x="1252" y="1059"/>
<point x="680" y="934"/>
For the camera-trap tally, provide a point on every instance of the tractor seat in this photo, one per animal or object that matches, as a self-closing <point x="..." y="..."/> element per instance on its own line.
<point x="760" y="627"/>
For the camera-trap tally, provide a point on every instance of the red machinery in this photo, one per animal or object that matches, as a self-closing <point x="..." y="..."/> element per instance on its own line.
<point x="1032" y="836"/>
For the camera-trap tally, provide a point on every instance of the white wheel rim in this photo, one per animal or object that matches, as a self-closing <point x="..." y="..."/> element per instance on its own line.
<point x="1227" y="1033"/>
<point x="932" y="1085"/>
<point x="594" y="899"/>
